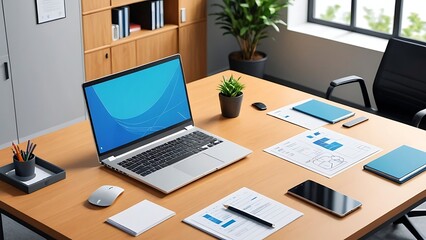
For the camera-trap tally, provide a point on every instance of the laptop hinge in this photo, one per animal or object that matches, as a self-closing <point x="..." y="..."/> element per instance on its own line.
<point x="189" y="127"/>
<point x="112" y="158"/>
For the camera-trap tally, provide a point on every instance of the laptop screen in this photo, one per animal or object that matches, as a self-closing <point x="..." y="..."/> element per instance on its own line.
<point x="135" y="104"/>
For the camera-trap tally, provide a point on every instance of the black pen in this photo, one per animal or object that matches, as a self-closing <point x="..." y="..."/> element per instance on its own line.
<point x="248" y="215"/>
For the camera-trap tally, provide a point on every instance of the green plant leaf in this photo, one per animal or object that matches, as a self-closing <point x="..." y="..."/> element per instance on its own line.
<point x="248" y="20"/>
<point x="231" y="87"/>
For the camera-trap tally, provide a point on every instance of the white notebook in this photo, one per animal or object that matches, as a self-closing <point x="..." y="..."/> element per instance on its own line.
<point x="140" y="217"/>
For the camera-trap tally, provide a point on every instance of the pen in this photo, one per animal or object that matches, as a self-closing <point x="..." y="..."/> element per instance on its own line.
<point x="248" y="215"/>
<point x="28" y="146"/>
<point x="22" y="155"/>
<point x="18" y="152"/>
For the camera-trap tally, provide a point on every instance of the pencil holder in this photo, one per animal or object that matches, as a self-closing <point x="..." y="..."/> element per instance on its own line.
<point x="24" y="170"/>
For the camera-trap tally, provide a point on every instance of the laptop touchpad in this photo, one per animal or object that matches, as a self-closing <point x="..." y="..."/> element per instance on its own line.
<point x="198" y="165"/>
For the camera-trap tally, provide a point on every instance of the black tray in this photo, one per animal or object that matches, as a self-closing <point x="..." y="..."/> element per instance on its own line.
<point x="46" y="174"/>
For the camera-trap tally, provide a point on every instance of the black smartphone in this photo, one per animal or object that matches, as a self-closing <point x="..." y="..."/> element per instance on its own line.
<point x="325" y="198"/>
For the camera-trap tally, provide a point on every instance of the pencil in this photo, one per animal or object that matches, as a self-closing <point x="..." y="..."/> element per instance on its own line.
<point x="18" y="152"/>
<point x="32" y="149"/>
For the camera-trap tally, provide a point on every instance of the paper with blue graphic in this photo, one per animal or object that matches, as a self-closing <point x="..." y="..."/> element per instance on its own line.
<point x="287" y="113"/>
<point x="323" y="151"/>
<point x="225" y="224"/>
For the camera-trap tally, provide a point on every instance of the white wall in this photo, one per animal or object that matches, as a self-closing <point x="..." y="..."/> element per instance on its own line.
<point x="303" y="59"/>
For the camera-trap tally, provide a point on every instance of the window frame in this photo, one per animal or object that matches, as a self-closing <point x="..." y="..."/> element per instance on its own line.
<point x="351" y="27"/>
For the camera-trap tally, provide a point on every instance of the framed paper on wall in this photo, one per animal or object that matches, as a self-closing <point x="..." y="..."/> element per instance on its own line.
<point x="50" y="10"/>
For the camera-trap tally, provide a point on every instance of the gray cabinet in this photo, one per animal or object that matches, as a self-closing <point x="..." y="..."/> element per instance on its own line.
<point x="43" y="91"/>
<point x="7" y="112"/>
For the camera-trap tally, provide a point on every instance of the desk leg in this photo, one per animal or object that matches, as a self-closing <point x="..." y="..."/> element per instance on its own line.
<point x="397" y="219"/>
<point x="409" y="225"/>
<point x="1" y="226"/>
<point x="31" y="230"/>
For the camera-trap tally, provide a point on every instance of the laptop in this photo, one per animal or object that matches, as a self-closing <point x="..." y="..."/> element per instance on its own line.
<point x="143" y="127"/>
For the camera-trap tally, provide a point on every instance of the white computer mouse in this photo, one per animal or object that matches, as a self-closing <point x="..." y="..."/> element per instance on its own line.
<point x="105" y="195"/>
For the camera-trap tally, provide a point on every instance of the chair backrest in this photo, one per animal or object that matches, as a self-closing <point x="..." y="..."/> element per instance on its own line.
<point x="400" y="84"/>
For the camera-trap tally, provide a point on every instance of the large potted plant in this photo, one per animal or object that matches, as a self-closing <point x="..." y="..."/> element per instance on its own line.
<point x="230" y="96"/>
<point x="248" y="21"/>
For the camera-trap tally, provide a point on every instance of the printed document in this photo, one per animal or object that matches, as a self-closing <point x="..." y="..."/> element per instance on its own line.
<point x="225" y="224"/>
<point x="323" y="151"/>
<point x="287" y="113"/>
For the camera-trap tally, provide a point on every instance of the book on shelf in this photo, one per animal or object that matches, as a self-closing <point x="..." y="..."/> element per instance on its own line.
<point x="400" y="164"/>
<point x="143" y="13"/>
<point x="126" y="21"/>
<point x="134" y="27"/>
<point x="148" y="14"/>
<point x="115" y="32"/>
<point x="121" y="17"/>
<point x="323" y="111"/>
<point x="117" y="18"/>
<point x="157" y="13"/>
<point x="161" y="13"/>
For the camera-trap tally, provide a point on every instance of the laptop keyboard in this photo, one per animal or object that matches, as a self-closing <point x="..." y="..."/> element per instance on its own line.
<point x="169" y="153"/>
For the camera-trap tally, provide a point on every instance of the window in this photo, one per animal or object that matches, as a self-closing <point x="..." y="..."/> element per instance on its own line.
<point x="381" y="18"/>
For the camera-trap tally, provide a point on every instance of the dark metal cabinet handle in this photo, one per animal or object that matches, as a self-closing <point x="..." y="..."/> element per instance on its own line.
<point x="6" y="70"/>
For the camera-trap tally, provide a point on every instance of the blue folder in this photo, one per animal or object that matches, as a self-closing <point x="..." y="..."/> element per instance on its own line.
<point x="400" y="164"/>
<point x="324" y="111"/>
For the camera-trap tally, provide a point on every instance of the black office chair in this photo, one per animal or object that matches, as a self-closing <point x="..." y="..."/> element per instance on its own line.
<point x="399" y="87"/>
<point x="399" y="90"/>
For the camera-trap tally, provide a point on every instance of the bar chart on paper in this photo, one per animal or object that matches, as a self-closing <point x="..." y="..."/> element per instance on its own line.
<point x="323" y="151"/>
<point x="324" y="142"/>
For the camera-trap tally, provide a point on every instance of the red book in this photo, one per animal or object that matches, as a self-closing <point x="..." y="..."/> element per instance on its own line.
<point x="135" y="27"/>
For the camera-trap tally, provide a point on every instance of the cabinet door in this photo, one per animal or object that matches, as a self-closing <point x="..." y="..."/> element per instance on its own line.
<point x="91" y="5"/>
<point x="46" y="67"/>
<point x="97" y="64"/>
<point x="97" y="29"/>
<point x="193" y="49"/>
<point x="123" y="56"/>
<point x="7" y="110"/>
<point x="156" y="46"/>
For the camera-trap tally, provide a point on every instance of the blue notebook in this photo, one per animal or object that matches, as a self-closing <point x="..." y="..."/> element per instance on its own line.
<point x="324" y="111"/>
<point x="400" y="164"/>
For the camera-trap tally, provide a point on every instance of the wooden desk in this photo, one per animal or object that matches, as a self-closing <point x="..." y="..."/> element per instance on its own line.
<point x="62" y="211"/>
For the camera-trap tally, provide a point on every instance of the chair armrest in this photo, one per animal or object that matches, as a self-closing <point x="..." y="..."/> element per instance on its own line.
<point x="348" y="80"/>
<point x="417" y="119"/>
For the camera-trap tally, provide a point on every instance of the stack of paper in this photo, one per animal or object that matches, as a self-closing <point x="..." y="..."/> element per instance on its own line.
<point x="140" y="217"/>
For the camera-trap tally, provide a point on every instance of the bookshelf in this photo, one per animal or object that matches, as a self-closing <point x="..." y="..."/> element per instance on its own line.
<point x="184" y="32"/>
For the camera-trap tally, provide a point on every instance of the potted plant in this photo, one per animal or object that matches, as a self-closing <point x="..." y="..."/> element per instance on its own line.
<point x="248" y="22"/>
<point x="230" y="96"/>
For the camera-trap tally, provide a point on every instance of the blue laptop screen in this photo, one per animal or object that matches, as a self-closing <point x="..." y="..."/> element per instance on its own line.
<point x="139" y="103"/>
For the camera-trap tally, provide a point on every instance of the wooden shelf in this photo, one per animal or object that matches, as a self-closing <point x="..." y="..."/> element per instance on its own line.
<point x="104" y="56"/>
<point x="144" y="33"/>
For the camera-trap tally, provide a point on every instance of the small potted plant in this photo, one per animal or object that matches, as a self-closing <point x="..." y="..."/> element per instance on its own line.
<point x="230" y="96"/>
